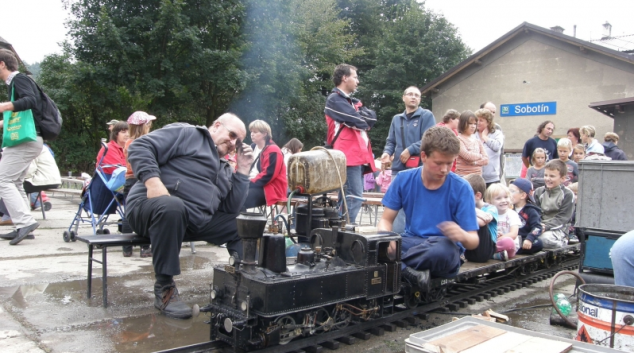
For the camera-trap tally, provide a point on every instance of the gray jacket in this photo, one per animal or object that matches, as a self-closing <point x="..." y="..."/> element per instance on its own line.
<point x="185" y="158"/>
<point x="413" y="129"/>
<point x="557" y="206"/>
<point x="491" y="172"/>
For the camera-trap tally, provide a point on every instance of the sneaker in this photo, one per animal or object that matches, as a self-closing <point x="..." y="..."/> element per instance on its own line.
<point x="169" y="302"/>
<point x="146" y="251"/>
<point x="572" y="239"/>
<point x="418" y="278"/>
<point x="501" y="256"/>
<point x="127" y="250"/>
<point x="23" y="233"/>
<point x="10" y="236"/>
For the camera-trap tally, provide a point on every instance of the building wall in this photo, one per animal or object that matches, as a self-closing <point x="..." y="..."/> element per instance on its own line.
<point x="624" y="127"/>
<point x="535" y="68"/>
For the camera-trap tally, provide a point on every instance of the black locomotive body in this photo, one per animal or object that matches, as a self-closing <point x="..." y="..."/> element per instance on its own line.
<point x="342" y="278"/>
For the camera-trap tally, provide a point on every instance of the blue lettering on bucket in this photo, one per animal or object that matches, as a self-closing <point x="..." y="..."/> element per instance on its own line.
<point x="594" y="312"/>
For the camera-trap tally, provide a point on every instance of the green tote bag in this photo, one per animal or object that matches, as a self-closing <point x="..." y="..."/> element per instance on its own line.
<point x="19" y="127"/>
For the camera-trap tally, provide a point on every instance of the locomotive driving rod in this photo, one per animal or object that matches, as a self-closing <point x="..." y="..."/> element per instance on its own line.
<point x="454" y="297"/>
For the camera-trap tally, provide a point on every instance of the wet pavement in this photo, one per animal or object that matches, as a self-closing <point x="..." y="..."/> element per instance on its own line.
<point x="44" y="306"/>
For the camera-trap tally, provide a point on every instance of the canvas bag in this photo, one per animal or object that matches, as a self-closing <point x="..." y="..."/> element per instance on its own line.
<point x="19" y="127"/>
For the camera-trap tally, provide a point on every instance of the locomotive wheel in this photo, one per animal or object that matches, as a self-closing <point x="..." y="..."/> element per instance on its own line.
<point x="73" y="236"/>
<point x="324" y="320"/>
<point x="66" y="236"/>
<point x="342" y="319"/>
<point x="287" y="328"/>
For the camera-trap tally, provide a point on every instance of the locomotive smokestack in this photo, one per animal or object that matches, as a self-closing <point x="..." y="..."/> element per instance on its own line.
<point x="250" y="229"/>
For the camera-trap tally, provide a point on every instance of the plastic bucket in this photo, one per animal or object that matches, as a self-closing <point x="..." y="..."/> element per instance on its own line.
<point x="606" y="316"/>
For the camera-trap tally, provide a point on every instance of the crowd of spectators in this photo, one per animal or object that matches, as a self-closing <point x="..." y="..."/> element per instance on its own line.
<point x="188" y="183"/>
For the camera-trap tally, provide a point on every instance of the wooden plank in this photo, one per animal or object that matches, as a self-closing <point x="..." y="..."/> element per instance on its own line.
<point x="463" y="340"/>
<point x="500" y="343"/>
<point x="541" y="345"/>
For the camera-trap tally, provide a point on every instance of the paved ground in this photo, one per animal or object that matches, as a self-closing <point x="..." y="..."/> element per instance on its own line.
<point x="44" y="306"/>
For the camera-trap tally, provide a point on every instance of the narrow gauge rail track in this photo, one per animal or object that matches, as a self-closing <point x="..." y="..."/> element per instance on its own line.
<point x="455" y="295"/>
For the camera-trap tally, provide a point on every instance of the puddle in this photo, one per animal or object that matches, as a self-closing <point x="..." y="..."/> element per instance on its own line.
<point x="146" y="333"/>
<point x="538" y="319"/>
<point x="63" y="318"/>
<point x="193" y="262"/>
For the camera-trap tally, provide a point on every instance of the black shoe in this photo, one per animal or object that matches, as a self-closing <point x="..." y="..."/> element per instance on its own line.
<point x="146" y="251"/>
<point x="23" y="233"/>
<point x="12" y="235"/>
<point x="127" y="250"/>
<point x="417" y="278"/>
<point x="167" y="300"/>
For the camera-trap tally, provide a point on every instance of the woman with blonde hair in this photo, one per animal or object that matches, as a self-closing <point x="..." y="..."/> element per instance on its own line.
<point x="593" y="146"/>
<point x="269" y="185"/>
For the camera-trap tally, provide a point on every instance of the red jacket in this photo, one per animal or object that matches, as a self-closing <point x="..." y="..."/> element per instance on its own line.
<point x="349" y="141"/>
<point x="272" y="176"/>
<point x="115" y="156"/>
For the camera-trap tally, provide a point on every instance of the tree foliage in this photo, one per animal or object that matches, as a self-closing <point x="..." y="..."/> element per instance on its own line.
<point x="192" y="60"/>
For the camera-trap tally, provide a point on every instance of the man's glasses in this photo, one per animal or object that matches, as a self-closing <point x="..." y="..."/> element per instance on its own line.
<point x="232" y="135"/>
<point x="412" y="94"/>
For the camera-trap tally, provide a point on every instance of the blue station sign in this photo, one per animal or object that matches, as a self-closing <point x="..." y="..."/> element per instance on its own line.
<point x="524" y="109"/>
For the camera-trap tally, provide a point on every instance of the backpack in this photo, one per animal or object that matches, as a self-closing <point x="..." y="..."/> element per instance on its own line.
<point x="50" y="119"/>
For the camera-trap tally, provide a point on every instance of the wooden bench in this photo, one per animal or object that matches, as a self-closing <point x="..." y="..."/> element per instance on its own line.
<point x="70" y="186"/>
<point x="103" y="241"/>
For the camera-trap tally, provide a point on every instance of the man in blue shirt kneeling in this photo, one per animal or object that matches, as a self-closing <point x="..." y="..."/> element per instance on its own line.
<point x="439" y="209"/>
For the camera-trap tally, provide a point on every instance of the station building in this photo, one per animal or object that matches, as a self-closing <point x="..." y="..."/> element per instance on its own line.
<point x="534" y="74"/>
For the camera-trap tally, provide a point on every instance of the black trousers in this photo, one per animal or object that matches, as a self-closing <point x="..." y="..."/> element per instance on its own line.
<point x="164" y="220"/>
<point x="486" y="247"/>
<point x="125" y="225"/>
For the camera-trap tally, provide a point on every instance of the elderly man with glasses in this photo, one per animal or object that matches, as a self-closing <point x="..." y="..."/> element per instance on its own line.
<point x="187" y="192"/>
<point x="404" y="139"/>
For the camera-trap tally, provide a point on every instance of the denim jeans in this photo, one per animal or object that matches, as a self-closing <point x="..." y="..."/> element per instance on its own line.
<point x="622" y="254"/>
<point x="438" y="254"/>
<point x="353" y="187"/>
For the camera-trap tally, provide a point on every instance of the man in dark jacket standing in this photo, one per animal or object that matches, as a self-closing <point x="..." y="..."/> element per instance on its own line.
<point x="611" y="150"/>
<point x="404" y="139"/>
<point x="348" y="133"/>
<point x="406" y="131"/>
<point x="187" y="192"/>
<point x="16" y="159"/>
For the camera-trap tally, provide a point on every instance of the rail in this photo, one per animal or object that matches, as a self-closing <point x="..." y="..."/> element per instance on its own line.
<point x="457" y="296"/>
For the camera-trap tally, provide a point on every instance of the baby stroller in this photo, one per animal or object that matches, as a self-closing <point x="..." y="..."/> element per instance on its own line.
<point x="99" y="200"/>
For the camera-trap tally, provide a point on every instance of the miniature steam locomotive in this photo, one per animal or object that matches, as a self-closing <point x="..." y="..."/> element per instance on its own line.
<point x="343" y="277"/>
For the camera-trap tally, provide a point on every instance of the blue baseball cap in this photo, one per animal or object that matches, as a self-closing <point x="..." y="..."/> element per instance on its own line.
<point x="526" y="186"/>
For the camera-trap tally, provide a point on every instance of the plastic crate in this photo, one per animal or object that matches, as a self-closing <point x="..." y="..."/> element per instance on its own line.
<point x="605" y="199"/>
<point x="415" y="342"/>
